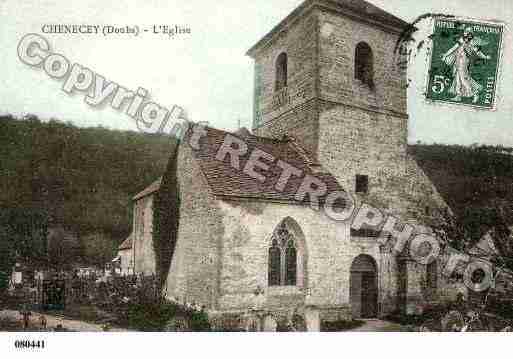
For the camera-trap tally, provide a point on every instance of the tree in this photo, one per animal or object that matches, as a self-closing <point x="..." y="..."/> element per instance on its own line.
<point x="502" y="236"/>
<point x="83" y="177"/>
<point x="166" y="217"/>
<point x="7" y="255"/>
<point x="465" y="231"/>
<point x="23" y="233"/>
<point x="99" y="248"/>
<point x="63" y="246"/>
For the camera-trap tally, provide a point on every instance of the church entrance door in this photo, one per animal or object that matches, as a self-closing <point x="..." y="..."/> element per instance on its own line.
<point x="364" y="287"/>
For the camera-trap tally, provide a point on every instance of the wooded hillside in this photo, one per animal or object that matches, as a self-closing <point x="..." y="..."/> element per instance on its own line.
<point x="469" y="175"/>
<point x="83" y="178"/>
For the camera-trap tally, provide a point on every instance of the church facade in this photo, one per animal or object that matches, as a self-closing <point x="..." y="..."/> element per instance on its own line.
<point x="330" y="100"/>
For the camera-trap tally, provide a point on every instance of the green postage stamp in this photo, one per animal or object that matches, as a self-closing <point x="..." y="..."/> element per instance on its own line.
<point x="465" y="61"/>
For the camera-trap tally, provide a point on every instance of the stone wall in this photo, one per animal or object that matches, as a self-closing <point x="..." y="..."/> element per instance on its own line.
<point x="328" y="249"/>
<point x="290" y="111"/>
<point x="299" y="122"/>
<point x="143" y="251"/>
<point x="339" y="37"/>
<point x="361" y="142"/>
<point x="194" y="272"/>
<point x="221" y="257"/>
<point x="321" y="55"/>
<point x="126" y="260"/>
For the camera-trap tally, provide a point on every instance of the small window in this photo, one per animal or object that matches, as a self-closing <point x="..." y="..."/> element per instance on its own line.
<point x="364" y="68"/>
<point x="362" y="184"/>
<point x="281" y="72"/>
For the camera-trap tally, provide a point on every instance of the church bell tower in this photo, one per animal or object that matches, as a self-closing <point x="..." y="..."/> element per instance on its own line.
<point x="328" y="75"/>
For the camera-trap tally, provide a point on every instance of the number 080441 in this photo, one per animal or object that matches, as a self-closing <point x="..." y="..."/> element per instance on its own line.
<point x="29" y="344"/>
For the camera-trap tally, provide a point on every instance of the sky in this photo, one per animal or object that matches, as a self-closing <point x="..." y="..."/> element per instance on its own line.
<point x="207" y="72"/>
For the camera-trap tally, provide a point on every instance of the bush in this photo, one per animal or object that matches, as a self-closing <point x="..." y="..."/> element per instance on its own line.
<point x="340" y="325"/>
<point x="139" y="304"/>
<point x="199" y="321"/>
<point x="133" y="302"/>
<point x="150" y="317"/>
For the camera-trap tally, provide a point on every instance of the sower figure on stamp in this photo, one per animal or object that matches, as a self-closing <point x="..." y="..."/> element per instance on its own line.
<point x="459" y="58"/>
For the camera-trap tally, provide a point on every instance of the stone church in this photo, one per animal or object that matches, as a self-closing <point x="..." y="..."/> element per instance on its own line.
<point x="331" y="100"/>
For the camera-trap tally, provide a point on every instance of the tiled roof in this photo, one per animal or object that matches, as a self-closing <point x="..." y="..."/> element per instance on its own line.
<point x="224" y="180"/>
<point x="367" y="9"/>
<point x="361" y="9"/>
<point x="152" y="188"/>
<point x="127" y="243"/>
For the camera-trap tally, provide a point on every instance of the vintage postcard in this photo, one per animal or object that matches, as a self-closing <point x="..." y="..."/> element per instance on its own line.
<point x="254" y="166"/>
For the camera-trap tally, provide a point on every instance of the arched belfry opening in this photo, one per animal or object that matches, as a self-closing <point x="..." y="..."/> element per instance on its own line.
<point x="281" y="72"/>
<point x="364" y="64"/>
<point x="364" y="287"/>
<point x="287" y="255"/>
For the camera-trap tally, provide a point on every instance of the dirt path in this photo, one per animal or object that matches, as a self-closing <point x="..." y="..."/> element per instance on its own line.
<point x="377" y="325"/>
<point x="53" y="322"/>
<point x="371" y="325"/>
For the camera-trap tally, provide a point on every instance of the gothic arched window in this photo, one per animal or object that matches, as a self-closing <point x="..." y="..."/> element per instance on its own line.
<point x="281" y="72"/>
<point x="282" y="258"/>
<point x="364" y="67"/>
